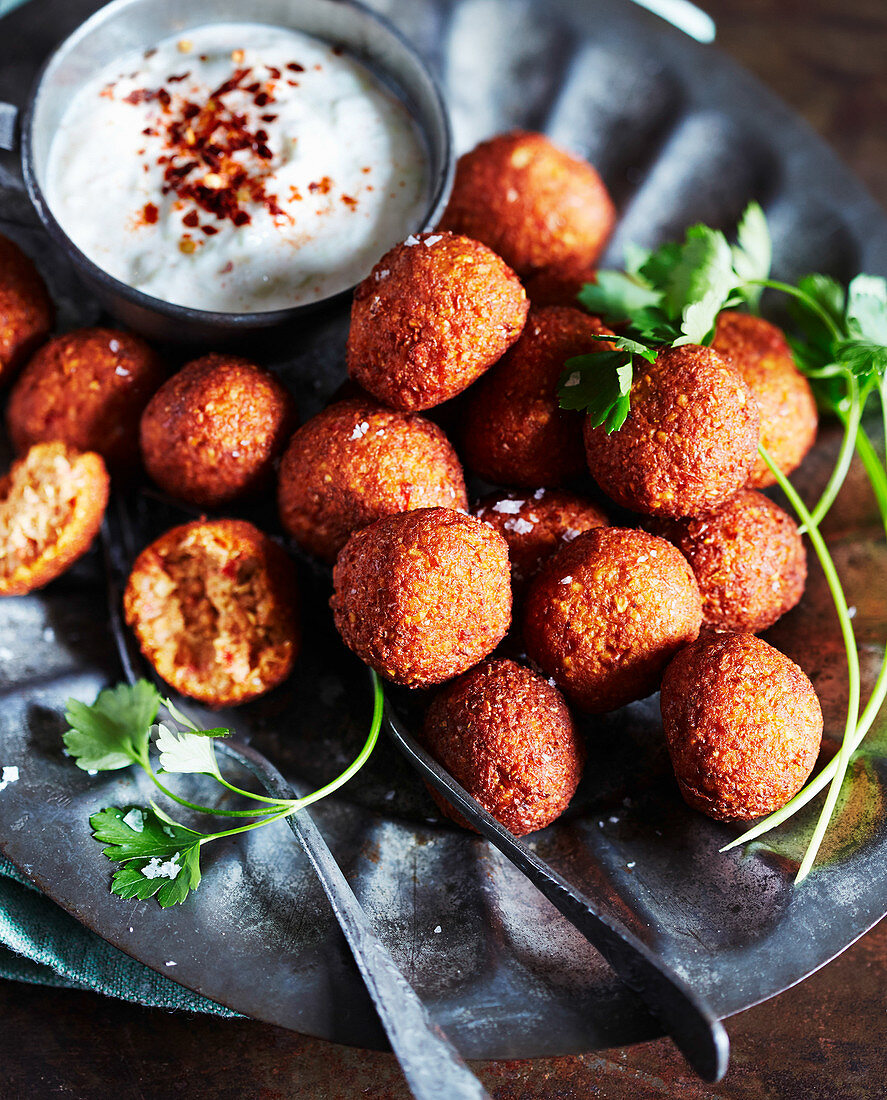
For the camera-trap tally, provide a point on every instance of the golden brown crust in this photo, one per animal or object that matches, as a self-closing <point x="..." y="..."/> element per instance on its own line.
<point x="515" y="431"/>
<point x="507" y="736"/>
<point x="690" y="439"/>
<point x="211" y="433"/>
<point x="430" y="318"/>
<point x="531" y="202"/>
<point x="748" y="559"/>
<point x="214" y="608"/>
<point x="743" y="726"/>
<point x="356" y="462"/>
<point x="424" y="595"/>
<point x="26" y="312"/>
<point x="535" y="525"/>
<point x="759" y="351"/>
<point x="51" y="506"/>
<point x="605" y="615"/>
<point x="88" y="389"/>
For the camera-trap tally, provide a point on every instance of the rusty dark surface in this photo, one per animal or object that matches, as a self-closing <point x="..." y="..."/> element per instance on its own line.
<point x="822" y="1039"/>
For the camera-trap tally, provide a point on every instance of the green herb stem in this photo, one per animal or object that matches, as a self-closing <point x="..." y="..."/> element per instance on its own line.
<point x="146" y="767"/>
<point x="811" y="303"/>
<point x="257" y="797"/>
<point x="845" y="455"/>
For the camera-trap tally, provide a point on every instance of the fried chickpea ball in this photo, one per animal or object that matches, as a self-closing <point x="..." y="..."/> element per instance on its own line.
<point x="515" y="432"/>
<point x="748" y="558"/>
<point x="422" y="596"/>
<point x="430" y="318"/>
<point x="51" y="506"/>
<point x="759" y="351"/>
<point x="535" y="525"/>
<point x="743" y="726"/>
<point x="88" y="389"/>
<point x="506" y="735"/>
<point x="690" y="439"/>
<point x="214" y="608"/>
<point x="557" y="286"/>
<point x="211" y="433"/>
<point x="356" y="462"/>
<point x="26" y="313"/>
<point x="532" y="202"/>
<point x="605" y="615"/>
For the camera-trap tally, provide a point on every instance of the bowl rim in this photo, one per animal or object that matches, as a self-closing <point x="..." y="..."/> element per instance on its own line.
<point x="223" y="319"/>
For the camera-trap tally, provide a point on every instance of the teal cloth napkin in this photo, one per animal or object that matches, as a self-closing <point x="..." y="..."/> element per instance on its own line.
<point x="40" y="943"/>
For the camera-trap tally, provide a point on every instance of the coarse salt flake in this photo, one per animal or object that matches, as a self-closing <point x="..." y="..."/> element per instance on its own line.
<point x="411" y="240"/>
<point x="539" y="494"/>
<point x="438" y="929"/>
<point x="574" y="379"/>
<point x="566" y="580"/>
<point x="383" y="274"/>
<point x="122" y="371"/>
<point x="360" y="430"/>
<point x="520" y="526"/>
<point x="630" y="865"/>
<point x="157" y="868"/>
<point x="508" y="507"/>
<point x="570" y="534"/>
<point x="114" y="345"/>
<point x="429" y="241"/>
<point x="10" y="774"/>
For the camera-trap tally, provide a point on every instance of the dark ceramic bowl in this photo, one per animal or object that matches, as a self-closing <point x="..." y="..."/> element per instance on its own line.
<point x="127" y="25"/>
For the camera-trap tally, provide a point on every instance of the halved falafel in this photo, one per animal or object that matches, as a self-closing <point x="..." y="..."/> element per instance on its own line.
<point x="51" y="506"/>
<point x="214" y="608"/>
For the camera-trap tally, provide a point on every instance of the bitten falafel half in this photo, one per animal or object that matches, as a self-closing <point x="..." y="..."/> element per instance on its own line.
<point x="743" y="726"/>
<point x="433" y="314"/>
<point x="214" y="608"/>
<point x="506" y="735"/>
<point x="422" y="596"/>
<point x="605" y="615"/>
<point x="88" y="389"/>
<point x="690" y="440"/>
<point x="26" y="312"/>
<point x="356" y="462"/>
<point x="760" y="352"/>
<point x="532" y="202"/>
<point x="515" y="431"/>
<point x="51" y="506"/>
<point x="211" y="433"/>
<point x="748" y="559"/>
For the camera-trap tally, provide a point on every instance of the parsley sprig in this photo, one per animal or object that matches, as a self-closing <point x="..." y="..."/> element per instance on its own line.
<point x="157" y="855"/>
<point x="672" y="296"/>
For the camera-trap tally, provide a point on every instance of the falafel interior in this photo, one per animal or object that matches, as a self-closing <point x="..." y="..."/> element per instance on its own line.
<point x="51" y="505"/>
<point x="211" y="621"/>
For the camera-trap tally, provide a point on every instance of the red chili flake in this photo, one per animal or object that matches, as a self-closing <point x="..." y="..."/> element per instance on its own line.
<point x="349" y="201"/>
<point x="318" y="68"/>
<point x="262" y="99"/>
<point x="273" y="72"/>
<point x="231" y="83"/>
<point x="179" y="78"/>
<point x="337" y="50"/>
<point x="141" y="95"/>
<point x="209" y="230"/>
<point x="253" y="88"/>
<point x="295" y="194"/>
<point x="295" y="67"/>
<point x="261" y="135"/>
<point x="191" y="219"/>
<point x="164" y="98"/>
<point x="323" y="185"/>
<point x="150" y="213"/>
<point x="149" y="131"/>
<point x="149" y="53"/>
<point x="366" y="169"/>
<point x="229" y="266"/>
<point x="293" y="83"/>
<point x="268" y="118"/>
<point x="204" y="57"/>
<point x="241" y="217"/>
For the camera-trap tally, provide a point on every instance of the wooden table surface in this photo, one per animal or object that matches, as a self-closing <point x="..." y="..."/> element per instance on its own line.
<point x="822" y="1040"/>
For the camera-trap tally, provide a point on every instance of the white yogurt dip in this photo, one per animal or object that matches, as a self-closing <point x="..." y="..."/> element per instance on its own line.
<point x="237" y="167"/>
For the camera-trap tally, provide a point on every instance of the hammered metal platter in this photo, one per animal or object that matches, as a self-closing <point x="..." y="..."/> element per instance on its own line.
<point x="680" y="134"/>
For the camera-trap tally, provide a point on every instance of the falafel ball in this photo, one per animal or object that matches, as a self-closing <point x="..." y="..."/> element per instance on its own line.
<point x="214" y="608"/>
<point x="430" y="318"/>
<point x="748" y="558"/>
<point x="743" y="726"/>
<point x="605" y="615"/>
<point x="88" y="389"/>
<point x="515" y="432"/>
<point x="759" y="351"/>
<point x="507" y="736"/>
<point x="532" y="202"/>
<point x="26" y="312"/>
<point x="422" y="596"/>
<point x="356" y="462"/>
<point x="211" y="433"/>
<point x="51" y="506"/>
<point x="535" y="525"/>
<point x="690" y="440"/>
<point x="557" y="286"/>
